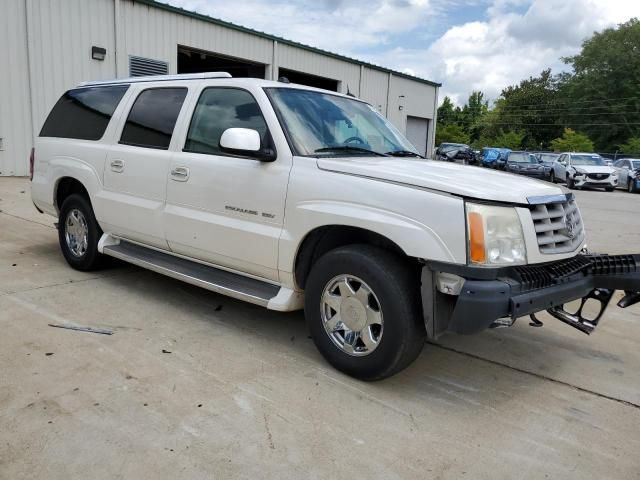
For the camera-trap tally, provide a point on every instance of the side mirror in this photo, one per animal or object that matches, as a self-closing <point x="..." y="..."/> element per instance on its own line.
<point x="245" y="141"/>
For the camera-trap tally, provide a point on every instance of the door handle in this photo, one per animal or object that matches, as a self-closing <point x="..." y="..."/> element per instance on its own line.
<point x="117" y="165"/>
<point x="180" y="174"/>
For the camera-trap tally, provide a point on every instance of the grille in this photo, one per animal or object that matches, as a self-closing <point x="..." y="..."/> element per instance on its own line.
<point x="558" y="226"/>
<point x="540" y="276"/>
<point x="142" y="67"/>
<point x="598" y="176"/>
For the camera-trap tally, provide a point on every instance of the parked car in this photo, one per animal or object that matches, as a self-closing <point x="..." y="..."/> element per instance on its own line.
<point x="547" y="160"/>
<point x="493" y="157"/>
<point x="290" y="197"/>
<point x="450" y="152"/>
<point x="525" y="163"/>
<point x="628" y="174"/>
<point x="584" y="170"/>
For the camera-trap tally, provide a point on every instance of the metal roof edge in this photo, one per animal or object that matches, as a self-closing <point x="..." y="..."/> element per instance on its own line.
<point x="240" y="28"/>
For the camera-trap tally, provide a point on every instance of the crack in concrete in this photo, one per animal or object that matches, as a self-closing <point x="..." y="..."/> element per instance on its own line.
<point x="538" y="375"/>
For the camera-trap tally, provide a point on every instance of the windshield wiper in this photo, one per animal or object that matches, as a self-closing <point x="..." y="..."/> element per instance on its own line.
<point x="348" y="148"/>
<point x="404" y="153"/>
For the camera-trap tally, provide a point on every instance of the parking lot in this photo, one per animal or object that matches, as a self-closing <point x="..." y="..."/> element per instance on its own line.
<point x="196" y="385"/>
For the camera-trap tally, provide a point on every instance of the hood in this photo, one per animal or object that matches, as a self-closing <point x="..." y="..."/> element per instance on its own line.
<point x="463" y="180"/>
<point x="593" y="168"/>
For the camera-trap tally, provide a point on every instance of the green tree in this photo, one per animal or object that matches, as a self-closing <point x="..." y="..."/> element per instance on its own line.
<point x="632" y="147"/>
<point x="601" y="96"/>
<point x="509" y="139"/>
<point x="446" y="112"/>
<point x="572" y="141"/>
<point x="473" y="114"/>
<point x="530" y="107"/>
<point x="451" y="133"/>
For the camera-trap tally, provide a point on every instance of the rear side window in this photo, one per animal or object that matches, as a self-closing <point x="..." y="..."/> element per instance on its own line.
<point x="219" y="109"/>
<point x="153" y="117"/>
<point x="83" y="113"/>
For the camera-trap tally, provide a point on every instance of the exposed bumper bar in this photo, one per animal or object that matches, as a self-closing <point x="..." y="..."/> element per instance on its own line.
<point x="518" y="291"/>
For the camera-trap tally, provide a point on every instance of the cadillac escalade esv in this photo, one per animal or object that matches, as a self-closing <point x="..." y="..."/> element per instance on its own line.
<point x="292" y="197"/>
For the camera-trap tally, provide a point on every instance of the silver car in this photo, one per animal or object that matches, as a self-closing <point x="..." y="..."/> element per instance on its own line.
<point x="628" y="174"/>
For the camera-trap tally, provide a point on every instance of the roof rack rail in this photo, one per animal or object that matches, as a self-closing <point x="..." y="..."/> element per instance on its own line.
<point x="160" y="78"/>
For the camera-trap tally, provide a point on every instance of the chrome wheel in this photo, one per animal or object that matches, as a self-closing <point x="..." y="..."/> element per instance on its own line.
<point x="76" y="232"/>
<point x="351" y="315"/>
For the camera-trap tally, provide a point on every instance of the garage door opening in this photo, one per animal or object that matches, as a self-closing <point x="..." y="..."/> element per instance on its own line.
<point x="309" y="80"/>
<point x="418" y="133"/>
<point x="191" y="60"/>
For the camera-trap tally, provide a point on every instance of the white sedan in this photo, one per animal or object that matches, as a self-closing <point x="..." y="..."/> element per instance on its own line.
<point x="584" y="170"/>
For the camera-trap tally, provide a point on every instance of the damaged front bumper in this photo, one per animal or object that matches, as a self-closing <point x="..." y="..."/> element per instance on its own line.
<point x="484" y="298"/>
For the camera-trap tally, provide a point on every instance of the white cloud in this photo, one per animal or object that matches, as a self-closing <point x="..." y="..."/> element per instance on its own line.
<point x="516" y="39"/>
<point x="341" y="26"/>
<point x="508" y="47"/>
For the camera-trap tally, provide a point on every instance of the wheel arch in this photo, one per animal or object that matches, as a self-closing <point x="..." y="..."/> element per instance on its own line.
<point x="324" y="238"/>
<point x="66" y="186"/>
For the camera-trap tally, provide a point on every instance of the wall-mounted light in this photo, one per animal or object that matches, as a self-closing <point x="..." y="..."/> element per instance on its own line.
<point x="98" y="53"/>
<point x="401" y="102"/>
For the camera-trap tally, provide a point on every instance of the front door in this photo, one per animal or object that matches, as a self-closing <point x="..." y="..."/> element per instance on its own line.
<point x="222" y="208"/>
<point x="135" y="176"/>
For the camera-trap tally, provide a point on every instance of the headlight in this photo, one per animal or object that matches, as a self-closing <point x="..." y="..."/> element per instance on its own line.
<point x="495" y="235"/>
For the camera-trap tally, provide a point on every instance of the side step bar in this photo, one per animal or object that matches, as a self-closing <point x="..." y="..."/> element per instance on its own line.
<point x="214" y="279"/>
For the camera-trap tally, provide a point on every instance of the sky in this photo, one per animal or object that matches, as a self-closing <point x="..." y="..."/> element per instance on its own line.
<point x="466" y="45"/>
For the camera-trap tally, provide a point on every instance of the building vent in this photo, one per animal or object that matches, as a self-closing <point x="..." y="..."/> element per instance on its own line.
<point x="143" y="67"/>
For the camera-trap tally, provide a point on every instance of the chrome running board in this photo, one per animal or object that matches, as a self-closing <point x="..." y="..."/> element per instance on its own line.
<point x="211" y="278"/>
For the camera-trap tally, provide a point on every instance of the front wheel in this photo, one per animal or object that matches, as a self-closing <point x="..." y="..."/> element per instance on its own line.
<point x="79" y="233"/>
<point x="362" y="305"/>
<point x="631" y="185"/>
<point x="552" y="177"/>
<point x="570" y="183"/>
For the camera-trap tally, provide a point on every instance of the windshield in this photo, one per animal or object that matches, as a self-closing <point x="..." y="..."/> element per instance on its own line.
<point x="588" y="160"/>
<point x="522" y="158"/>
<point x="319" y="123"/>
<point x="547" y="158"/>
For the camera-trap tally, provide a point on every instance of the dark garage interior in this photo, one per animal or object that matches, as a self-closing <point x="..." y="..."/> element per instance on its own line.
<point x="307" y="79"/>
<point x="191" y="60"/>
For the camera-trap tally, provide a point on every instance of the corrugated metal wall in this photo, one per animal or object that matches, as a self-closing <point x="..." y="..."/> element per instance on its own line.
<point x="15" y="105"/>
<point x="45" y="49"/>
<point x="154" y="33"/>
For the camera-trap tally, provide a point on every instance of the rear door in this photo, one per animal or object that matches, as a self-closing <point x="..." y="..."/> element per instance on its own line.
<point x="135" y="175"/>
<point x="224" y="208"/>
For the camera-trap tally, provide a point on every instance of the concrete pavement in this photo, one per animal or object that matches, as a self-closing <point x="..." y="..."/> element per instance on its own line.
<point x="196" y="385"/>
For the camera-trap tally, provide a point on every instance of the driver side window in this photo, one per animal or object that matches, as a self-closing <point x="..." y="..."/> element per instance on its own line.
<point x="218" y="109"/>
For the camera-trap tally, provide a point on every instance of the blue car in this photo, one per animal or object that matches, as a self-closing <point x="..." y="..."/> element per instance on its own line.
<point x="493" y="157"/>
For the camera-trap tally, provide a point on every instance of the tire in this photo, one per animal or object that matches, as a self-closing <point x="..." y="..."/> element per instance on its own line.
<point x="631" y="185"/>
<point x="552" y="177"/>
<point x="609" y="189"/>
<point x="81" y="255"/>
<point x="570" y="183"/>
<point x="393" y="288"/>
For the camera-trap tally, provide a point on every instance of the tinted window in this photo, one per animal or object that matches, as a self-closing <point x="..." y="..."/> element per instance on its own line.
<point x="217" y="110"/>
<point x="518" y="157"/>
<point x="153" y="117"/>
<point x="83" y="113"/>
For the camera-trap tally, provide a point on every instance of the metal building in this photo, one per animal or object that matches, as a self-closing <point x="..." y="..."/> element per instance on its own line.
<point x="49" y="46"/>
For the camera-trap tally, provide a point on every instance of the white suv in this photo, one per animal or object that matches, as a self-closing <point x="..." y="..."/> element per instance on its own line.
<point x="291" y="197"/>
<point x="584" y="170"/>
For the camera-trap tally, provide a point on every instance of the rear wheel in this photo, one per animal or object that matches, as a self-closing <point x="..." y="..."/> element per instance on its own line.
<point x="362" y="305"/>
<point x="79" y="233"/>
